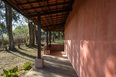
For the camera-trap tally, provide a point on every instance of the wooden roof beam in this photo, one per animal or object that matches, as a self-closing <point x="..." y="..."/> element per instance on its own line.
<point x="52" y="12"/>
<point x="56" y="25"/>
<point x="20" y="4"/>
<point x="60" y="28"/>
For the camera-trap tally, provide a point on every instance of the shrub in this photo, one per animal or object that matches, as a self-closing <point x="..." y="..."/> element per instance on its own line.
<point x="27" y="66"/>
<point x="11" y="73"/>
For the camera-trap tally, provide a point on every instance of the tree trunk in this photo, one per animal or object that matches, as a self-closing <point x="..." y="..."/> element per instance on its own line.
<point x="60" y="35"/>
<point x="63" y="35"/>
<point x="50" y="38"/>
<point x="31" y="34"/>
<point x="9" y="26"/>
<point x="36" y="35"/>
<point x="33" y="31"/>
<point x="2" y="39"/>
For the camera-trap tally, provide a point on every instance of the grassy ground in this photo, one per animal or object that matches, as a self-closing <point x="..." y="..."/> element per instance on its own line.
<point x="59" y="42"/>
<point x="10" y="59"/>
<point x="56" y="42"/>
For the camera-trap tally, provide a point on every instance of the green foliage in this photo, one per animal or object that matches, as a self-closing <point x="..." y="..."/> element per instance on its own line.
<point x="2" y="14"/>
<point x="21" y="34"/>
<point x="21" y="30"/>
<point x="19" y="39"/>
<point x="5" y="42"/>
<point x="11" y="73"/>
<point x="15" y="15"/>
<point x="14" y="72"/>
<point x="2" y="29"/>
<point x="27" y="66"/>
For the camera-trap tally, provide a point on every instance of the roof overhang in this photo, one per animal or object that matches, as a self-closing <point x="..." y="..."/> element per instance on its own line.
<point x="53" y="12"/>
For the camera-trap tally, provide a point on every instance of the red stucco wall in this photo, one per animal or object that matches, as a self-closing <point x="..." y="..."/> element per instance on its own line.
<point x="90" y="38"/>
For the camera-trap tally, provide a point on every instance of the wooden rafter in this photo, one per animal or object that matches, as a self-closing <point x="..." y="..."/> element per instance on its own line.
<point x="20" y="4"/>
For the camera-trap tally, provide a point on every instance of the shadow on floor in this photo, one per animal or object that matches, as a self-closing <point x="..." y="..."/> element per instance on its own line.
<point x="54" y="67"/>
<point x="23" y="49"/>
<point x="22" y="53"/>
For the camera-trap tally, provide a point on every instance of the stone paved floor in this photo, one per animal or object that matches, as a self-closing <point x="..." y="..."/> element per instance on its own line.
<point x="54" y="67"/>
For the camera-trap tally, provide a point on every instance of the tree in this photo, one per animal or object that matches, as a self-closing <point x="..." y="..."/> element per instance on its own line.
<point x="58" y="35"/>
<point x="1" y="10"/>
<point x="21" y="33"/>
<point x="2" y="26"/>
<point x="2" y="31"/>
<point x="31" y="34"/>
<point x="9" y="26"/>
<point x="36" y="35"/>
<point x="21" y="30"/>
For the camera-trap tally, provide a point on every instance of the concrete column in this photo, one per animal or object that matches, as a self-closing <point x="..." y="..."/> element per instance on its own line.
<point x="47" y="40"/>
<point x="39" y="62"/>
<point x="39" y="37"/>
<point x="50" y="37"/>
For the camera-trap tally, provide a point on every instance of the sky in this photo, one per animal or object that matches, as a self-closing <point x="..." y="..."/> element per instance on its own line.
<point x="21" y="22"/>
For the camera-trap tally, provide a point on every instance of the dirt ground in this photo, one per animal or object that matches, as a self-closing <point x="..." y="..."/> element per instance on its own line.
<point x="10" y="59"/>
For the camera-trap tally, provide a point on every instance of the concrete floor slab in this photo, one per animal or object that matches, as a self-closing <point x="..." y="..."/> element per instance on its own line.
<point x="54" y="67"/>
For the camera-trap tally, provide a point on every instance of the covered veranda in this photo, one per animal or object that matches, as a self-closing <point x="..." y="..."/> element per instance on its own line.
<point x="55" y="66"/>
<point x="49" y="15"/>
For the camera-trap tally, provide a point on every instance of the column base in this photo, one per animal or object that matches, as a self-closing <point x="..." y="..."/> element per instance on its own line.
<point x="39" y="63"/>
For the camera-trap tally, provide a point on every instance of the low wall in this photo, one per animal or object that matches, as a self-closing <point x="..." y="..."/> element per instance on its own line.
<point x="55" y="47"/>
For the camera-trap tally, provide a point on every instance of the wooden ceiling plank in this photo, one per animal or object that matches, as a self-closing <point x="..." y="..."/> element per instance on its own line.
<point x="46" y="6"/>
<point x="42" y="10"/>
<point x="56" y="13"/>
<point x="32" y="7"/>
<point x="62" y="12"/>
<point x="50" y="15"/>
